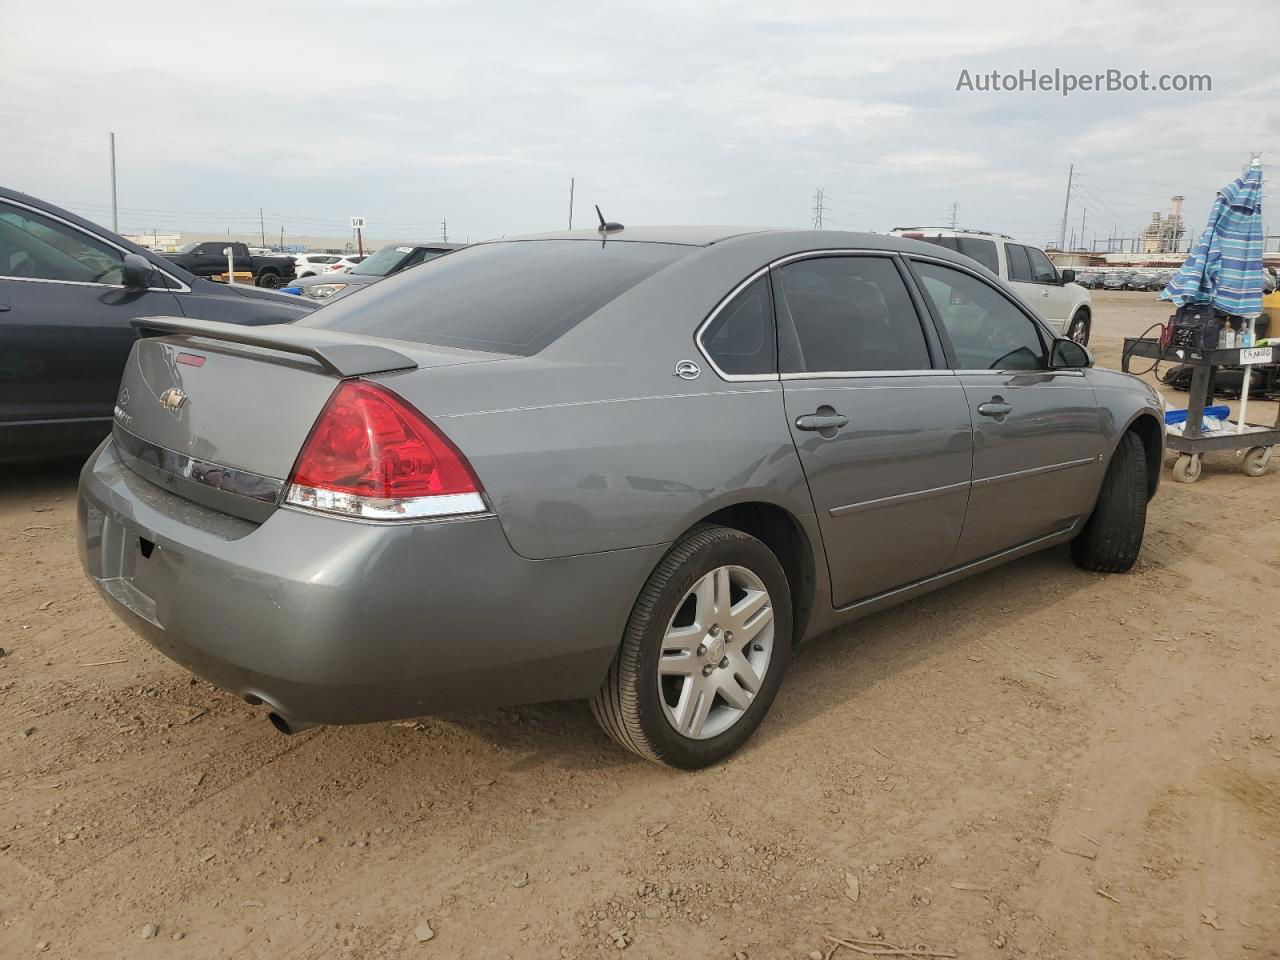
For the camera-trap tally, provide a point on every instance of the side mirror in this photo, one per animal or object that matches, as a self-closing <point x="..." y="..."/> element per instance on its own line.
<point x="1067" y="276"/>
<point x="1069" y="355"/>
<point x="136" y="272"/>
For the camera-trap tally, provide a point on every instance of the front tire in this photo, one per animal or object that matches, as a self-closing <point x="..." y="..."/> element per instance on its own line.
<point x="1112" y="536"/>
<point x="1078" y="328"/>
<point x="704" y="651"/>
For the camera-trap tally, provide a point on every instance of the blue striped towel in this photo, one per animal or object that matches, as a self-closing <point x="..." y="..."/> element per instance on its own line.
<point x="1225" y="265"/>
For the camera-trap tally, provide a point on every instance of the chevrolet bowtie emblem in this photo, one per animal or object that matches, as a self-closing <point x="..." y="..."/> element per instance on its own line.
<point x="173" y="399"/>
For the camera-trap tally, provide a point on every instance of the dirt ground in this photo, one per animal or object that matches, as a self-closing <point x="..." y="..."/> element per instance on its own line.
<point x="1038" y="762"/>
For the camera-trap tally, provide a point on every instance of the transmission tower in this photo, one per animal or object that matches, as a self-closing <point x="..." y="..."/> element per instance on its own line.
<point x="955" y="207"/>
<point x="817" y="209"/>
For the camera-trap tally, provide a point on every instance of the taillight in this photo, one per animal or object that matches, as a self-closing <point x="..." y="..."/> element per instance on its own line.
<point x="372" y="455"/>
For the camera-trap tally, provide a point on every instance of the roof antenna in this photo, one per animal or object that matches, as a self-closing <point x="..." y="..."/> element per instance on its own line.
<point x="606" y="226"/>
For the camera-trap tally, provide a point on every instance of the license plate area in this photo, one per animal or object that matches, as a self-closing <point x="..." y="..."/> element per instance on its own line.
<point x="126" y="563"/>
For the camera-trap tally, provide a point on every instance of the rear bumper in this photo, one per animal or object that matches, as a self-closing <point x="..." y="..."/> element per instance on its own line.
<point x="335" y="621"/>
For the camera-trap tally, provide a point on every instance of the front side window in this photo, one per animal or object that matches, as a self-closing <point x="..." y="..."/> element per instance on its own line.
<point x="1019" y="265"/>
<point x="846" y="314"/>
<point x="1042" y="270"/>
<point x="986" y="330"/>
<point x="740" y="340"/>
<point x="35" y="247"/>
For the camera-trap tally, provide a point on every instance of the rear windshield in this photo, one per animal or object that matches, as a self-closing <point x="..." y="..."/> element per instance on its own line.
<point x="516" y="297"/>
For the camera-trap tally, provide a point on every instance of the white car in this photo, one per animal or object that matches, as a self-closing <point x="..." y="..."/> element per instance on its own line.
<point x="344" y="264"/>
<point x="313" y="264"/>
<point x="1054" y="294"/>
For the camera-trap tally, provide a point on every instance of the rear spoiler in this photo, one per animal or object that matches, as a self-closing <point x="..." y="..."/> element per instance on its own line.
<point x="338" y="356"/>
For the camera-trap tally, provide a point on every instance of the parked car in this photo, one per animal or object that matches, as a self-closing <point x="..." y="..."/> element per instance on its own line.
<point x="313" y="264"/>
<point x="635" y="468"/>
<point x="1065" y="304"/>
<point x="209" y="259"/>
<point x="1116" y="280"/>
<point x="388" y="260"/>
<point x="68" y="291"/>
<point x="1089" y="279"/>
<point x="345" y="264"/>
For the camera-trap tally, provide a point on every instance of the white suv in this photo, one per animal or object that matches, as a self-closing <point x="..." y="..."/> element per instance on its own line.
<point x="1054" y="294"/>
<point x="313" y="264"/>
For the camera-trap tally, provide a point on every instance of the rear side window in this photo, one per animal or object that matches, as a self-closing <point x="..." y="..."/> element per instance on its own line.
<point x="515" y="297"/>
<point x="1019" y="265"/>
<point x="984" y="251"/>
<point x="740" y="340"/>
<point x="846" y="314"/>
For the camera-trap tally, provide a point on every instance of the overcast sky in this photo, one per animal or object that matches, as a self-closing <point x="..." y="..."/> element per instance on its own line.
<point x="689" y="112"/>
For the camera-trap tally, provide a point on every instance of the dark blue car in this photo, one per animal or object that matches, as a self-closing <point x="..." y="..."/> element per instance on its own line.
<point x="68" y="291"/>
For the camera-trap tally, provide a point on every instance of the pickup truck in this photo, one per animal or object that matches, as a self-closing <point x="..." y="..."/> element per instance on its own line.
<point x="207" y="260"/>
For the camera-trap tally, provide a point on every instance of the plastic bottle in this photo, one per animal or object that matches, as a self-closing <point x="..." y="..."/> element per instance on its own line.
<point x="1246" y="334"/>
<point x="1227" y="339"/>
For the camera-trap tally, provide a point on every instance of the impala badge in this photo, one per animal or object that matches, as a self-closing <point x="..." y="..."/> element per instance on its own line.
<point x="173" y="399"/>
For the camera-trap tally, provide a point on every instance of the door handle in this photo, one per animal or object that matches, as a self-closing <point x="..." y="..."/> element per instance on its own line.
<point x="821" y="421"/>
<point x="995" y="407"/>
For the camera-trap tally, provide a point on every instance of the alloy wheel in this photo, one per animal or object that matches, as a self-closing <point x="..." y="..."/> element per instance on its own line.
<point x="716" y="652"/>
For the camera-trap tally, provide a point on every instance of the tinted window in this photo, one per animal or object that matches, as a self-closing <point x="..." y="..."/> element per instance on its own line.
<point x="847" y="314"/>
<point x="984" y="251"/>
<point x="740" y="339"/>
<point x="987" y="331"/>
<point x="39" y="248"/>
<point x="1019" y="265"/>
<point x="515" y="297"/>
<point x="1041" y="268"/>
<point x="951" y="243"/>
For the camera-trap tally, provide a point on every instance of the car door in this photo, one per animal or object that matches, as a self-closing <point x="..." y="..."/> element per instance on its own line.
<point x="66" y="333"/>
<point x="1038" y="439"/>
<point x="881" y="426"/>
<point x="1055" y="299"/>
<point x="209" y="259"/>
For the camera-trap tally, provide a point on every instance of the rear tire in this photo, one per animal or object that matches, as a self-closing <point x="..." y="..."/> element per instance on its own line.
<point x="1112" y="536"/>
<point x="635" y="704"/>
<point x="269" y="281"/>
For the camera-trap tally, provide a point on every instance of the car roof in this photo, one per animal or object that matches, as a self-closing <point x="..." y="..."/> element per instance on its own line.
<point x="686" y="235"/>
<point x="433" y="244"/>
<point x="951" y="232"/>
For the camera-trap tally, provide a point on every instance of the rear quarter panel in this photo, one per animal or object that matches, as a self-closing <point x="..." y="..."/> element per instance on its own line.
<point x="637" y="465"/>
<point x="594" y="444"/>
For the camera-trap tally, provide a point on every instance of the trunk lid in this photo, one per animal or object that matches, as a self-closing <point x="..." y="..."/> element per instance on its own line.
<point x="217" y="413"/>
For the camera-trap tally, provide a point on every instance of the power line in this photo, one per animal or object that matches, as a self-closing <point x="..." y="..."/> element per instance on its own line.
<point x="817" y="209"/>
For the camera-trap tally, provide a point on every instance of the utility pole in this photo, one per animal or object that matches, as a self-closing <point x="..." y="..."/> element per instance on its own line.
<point x="444" y="230"/>
<point x="262" y="227"/>
<point x="115" y="219"/>
<point x="817" y="209"/>
<point x="571" y="181"/>
<point x="1066" y="205"/>
<point x="1083" y="213"/>
<point x="954" y="208"/>
<point x="282" y="238"/>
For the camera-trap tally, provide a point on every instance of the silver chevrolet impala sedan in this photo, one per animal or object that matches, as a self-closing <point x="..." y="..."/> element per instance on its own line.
<point x="636" y="466"/>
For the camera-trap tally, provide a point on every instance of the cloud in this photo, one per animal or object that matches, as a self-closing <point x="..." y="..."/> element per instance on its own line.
<point x="718" y="111"/>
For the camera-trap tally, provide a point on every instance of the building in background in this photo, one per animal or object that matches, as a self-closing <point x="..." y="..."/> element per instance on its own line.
<point x="1164" y="233"/>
